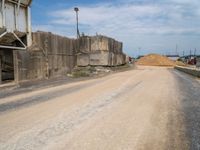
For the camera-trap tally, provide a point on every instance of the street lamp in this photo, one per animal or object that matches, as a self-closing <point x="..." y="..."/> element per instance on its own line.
<point x="76" y="9"/>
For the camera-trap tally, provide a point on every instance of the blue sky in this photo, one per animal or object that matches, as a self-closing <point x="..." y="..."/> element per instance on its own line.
<point x="144" y="26"/>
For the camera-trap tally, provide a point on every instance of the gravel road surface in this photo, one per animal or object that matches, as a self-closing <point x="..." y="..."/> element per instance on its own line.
<point x="148" y="108"/>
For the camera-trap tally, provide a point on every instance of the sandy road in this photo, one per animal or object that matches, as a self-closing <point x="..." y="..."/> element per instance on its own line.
<point x="146" y="108"/>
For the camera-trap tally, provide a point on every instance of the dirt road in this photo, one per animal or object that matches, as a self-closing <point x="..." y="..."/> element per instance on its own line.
<point x="143" y="109"/>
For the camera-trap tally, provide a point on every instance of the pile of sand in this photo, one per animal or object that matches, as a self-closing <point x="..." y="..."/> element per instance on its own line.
<point x="155" y="60"/>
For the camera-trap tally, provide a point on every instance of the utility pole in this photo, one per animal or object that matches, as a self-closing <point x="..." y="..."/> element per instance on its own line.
<point x="176" y="49"/>
<point x="139" y="49"/>
<point x="76" y="9"/>
<point x="195" y="52"/>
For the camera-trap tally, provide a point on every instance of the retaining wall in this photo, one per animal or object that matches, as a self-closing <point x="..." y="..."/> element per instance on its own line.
<point x="100" y="51"/>
<point x="192" y="71"/>
<point x="49" y="56"/>
<point x="52" y="55"/>
<point x="198" y="62"/>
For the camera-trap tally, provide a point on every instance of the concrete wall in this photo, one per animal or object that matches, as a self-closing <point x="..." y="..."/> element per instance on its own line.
<point x="100" y="58"/>
<point x="192" y="71"/>
<point x="49" y="56"/>
<point x="198" y="62"/>
<point x="59" y="52"/>
<point x="99" y="43"/>
<point x="52" y="55"/>
<point x="100" y="51"/>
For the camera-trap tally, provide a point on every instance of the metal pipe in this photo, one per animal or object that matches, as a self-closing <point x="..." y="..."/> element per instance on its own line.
<point x="12" y="47"/>
<point x="29" y="34"/>
<point x="18" y="6"/>
<point x="77" y="22"/>
<point x="3" y="13"/>
<point x="77" y="25"/>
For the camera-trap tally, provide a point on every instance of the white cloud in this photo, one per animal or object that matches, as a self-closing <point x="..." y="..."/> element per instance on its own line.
<point x="133" y="18"/>
<point x="130" y="17"/>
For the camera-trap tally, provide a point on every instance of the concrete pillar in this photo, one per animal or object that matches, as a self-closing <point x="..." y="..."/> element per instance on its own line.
<point x="0" y="72"/>
<point x="16" y="66"/>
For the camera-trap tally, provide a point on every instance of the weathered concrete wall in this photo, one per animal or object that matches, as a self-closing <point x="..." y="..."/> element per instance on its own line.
<point x="198" y="62"/>
<point x="49" y="56"/>
<point x="192" y="71"/>
<point x="59" y="52"/>
<point x="52" y="55"/>
<point x="29" y="65"/>
<point x="99" y="43"/>
<point x="100" y="58"/>
<point x="100" y="51"/>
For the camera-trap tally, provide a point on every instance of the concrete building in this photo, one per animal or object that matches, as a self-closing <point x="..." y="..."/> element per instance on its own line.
<point x="41" y="55"/>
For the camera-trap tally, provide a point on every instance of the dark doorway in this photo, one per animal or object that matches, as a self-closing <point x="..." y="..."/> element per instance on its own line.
<point x="7" y="65"/>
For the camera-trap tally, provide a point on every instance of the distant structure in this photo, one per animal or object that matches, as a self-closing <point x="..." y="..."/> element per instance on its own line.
<point x="173" y="57"/>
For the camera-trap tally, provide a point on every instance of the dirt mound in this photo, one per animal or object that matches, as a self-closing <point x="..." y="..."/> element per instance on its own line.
<point x="155" y="60"/>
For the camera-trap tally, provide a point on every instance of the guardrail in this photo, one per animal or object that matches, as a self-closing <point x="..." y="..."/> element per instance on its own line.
<point x="192" y="71"/>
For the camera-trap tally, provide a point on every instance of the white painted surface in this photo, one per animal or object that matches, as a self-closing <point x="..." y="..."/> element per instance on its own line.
<point x="22" y="20"/>
<point x="15" y="20"/>
<point x="10" y="18"/>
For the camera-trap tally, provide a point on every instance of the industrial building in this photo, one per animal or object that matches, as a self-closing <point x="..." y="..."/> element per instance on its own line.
<point x="41" y="55"/>
<point x="15" y="34"/>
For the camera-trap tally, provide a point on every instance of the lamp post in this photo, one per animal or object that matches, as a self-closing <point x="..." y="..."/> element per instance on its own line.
<point x="76" y="9"/>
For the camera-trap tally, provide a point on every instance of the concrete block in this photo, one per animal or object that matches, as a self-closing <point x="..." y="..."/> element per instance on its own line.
<point x="100" y="59"/>
<point x="83" y="60"/>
